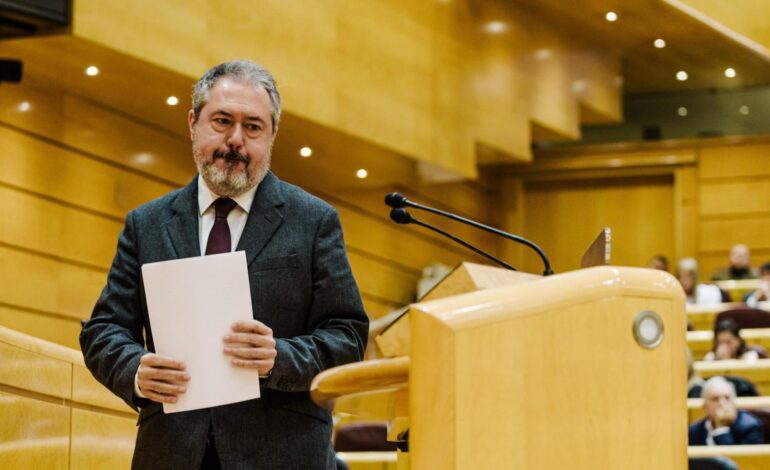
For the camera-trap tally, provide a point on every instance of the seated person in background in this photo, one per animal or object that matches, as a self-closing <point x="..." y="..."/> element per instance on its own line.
<point x="762" y="294"/>
<point x="694" y="381"/>
<point x="659" y="262"/>
<point x="740" y="265"/>
<point x="724" y="424"/>
<point x="728" y="344"/>
<point x="697" y="293"/>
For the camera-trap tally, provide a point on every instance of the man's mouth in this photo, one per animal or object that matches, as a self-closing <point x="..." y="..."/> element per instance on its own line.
<point x="231" y="157"/>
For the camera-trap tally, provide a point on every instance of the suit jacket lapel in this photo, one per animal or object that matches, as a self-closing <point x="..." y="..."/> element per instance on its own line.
<point x="264" y="217"/>
<point x="182" y="227"/>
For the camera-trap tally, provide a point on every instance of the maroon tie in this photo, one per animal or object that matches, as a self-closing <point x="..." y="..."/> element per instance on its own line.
<point x="219" y="238"/>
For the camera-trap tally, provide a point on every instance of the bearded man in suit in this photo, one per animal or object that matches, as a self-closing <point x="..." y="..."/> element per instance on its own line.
<point x="307" y="310"/>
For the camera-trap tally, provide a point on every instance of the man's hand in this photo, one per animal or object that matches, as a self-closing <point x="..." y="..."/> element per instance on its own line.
<point x="161" y="378"/>
<point x="725" y="415"/>
<point x="252" y="345"/>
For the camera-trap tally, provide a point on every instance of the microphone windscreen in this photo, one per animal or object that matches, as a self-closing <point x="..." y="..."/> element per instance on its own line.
<point x="400" y="216"/>
<point x="395" y="200"/>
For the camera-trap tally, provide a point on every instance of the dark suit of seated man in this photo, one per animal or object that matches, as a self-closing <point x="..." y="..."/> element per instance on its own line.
<point x="306" y="307"/>
<point x="724" y="424"/>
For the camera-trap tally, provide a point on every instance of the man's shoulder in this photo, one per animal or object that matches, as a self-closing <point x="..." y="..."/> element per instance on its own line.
<point x="160" y="204"/>
<point x="745" y="419"/>
<point x="301" y="199"/>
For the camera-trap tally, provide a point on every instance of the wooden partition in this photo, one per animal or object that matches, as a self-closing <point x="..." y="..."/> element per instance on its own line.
<point x="758" y="372"/>
<point x="547" y="374"/>
<point x="54" y="414"/>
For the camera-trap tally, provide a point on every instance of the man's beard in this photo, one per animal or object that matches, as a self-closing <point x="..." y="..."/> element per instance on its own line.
<point x="229" y="181"/>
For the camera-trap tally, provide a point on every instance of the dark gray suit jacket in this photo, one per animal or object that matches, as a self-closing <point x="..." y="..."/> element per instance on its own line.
<point x="301" y="287"/>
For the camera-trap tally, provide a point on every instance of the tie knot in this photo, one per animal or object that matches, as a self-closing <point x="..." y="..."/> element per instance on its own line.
<point x="223" y="206"/>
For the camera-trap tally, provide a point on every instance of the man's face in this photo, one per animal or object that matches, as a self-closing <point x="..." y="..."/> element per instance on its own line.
<point x="688" y="281"/>
<point x="718" y="402"/>
<point x="233" y="138"/>
<point x="739" y="257"/>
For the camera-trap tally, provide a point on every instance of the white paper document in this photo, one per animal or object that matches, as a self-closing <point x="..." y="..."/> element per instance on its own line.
<point x="193" y="303"/>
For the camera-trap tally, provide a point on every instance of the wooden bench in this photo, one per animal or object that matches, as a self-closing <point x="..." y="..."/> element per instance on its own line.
<point x="738" y="288"/>
<point x="700" y="342"/>
<point x="758" y="372"/>
<point x="753" y="457"/>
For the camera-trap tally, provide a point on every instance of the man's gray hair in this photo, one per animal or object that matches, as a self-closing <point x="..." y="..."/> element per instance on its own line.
<point x="718" y="381"/>
<point x="688" y="264"/>
<point x="241" y="71"/>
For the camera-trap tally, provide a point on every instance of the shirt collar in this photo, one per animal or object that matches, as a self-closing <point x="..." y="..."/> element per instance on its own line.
<point x="206" y="197"/>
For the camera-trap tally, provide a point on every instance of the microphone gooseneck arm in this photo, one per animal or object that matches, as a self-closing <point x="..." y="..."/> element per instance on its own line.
<point x="401" y="216"/>
<point x="397" y="200"/>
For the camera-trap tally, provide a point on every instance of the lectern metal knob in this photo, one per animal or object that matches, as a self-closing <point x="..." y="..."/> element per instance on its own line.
<point x="648" y="329"/>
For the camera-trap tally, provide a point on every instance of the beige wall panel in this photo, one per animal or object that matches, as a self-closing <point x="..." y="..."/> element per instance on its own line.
<point x="40" y="283"/>
<point x="86" y="390"/>
<point x="564" y="218"/>
<point x="46" y="169"/>
<point x="381" y="280"/>
<point x="101" y="440"/>
<point x="376" y="308"/>
<point x="52" y="328"/>
<point x="35" y="372"/>
<point x="739" y="197"/>
<point x="179" y="25"/>
<point x="34" y="434"/>
<point x="58" y="230"/>
<point x="720" y="235"/>
<point x="737" y="160"/>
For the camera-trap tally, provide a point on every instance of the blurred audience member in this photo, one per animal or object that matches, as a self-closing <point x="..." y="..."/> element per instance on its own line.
<point x="740" y="265"/>
<point x="658" y="262"/>
<point x="697" y="293"/>
<point x="728" y="344"/>
<point x="762" y="294"/>
<point x="694" y="381"/>
<point x="724" y="424"/>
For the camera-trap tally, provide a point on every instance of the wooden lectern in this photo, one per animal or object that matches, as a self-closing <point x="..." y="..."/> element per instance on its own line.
<point x="568" y="371"/>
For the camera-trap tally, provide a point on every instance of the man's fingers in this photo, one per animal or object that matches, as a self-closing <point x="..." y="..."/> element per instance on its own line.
<point x="250" y="339"/>
<point x="165" y="375"/>
<point x="156" y="360"/>
<point x="251" y="353"/>
<point x="162" y="387"/>
<point x="251" y="326"/>
<point x="262" y="365"/>
<point x="159" y="397"/>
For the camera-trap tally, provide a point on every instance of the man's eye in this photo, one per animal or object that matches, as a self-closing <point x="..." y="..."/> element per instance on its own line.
<point x="253" y="127"/>
<point x="222" y="121"/>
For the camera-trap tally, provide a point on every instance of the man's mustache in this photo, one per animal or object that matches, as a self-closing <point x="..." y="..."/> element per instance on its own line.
<point x="231" y="156"/>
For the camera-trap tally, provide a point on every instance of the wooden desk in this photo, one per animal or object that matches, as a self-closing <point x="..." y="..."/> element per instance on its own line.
<point x="695" y="406"/>
<point x="738" y="289"/>
<point x="700" y="342"/>
<point x="702" y="317"/>
<point x="758" y="372"/>
<point x="753" y="457"/>
<point x="54" y="414"/>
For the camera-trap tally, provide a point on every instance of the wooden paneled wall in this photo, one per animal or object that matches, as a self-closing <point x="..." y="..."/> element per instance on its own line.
<point x="688" y="198"/>
<point x="70" y="170"/>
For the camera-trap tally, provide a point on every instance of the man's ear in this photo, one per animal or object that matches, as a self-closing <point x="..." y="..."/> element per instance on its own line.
<point x="191" y="123"/>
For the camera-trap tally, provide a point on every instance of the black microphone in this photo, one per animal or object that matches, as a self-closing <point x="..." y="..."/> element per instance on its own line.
<point x="401" y="216"/>
<point x="398" y="201"/>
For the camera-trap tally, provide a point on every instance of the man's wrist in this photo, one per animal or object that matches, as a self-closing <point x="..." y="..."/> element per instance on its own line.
<point x="137" y="392"/>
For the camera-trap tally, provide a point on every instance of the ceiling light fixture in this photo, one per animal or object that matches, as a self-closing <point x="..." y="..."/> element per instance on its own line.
<point x="682" y="75"/>
<point x="659" y="43"/>
<point x="730" y="72"/>
<point x="172" y="101"/>
<point x="361" y="174"/>
<point x="611" y="16"/>
<point x="495" y="27"/>
<point x="92" y="71"/>
<point x="744" y="110"/>
<point x="305" y="152"/>
<point x="682" y="111"/>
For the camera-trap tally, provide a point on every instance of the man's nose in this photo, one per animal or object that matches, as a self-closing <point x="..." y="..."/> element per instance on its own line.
<point x="235" y="138"/>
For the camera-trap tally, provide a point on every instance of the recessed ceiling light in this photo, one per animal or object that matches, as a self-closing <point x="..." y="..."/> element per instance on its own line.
<point x="92" y="71"/>
<point x="611" y="16"/>
<point x="682" y="111"/>
<point x="24" y="106"/>
<point x="172" y="101"/>
<point x="495" y="27"/>
<point x="745" y="110"/>
<point x="682" y="75"/>
<point x="730" y="72"/>
<point x="659" y="43"/>
<point x="361" y="174"/>
<point x="305" y="152"/>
